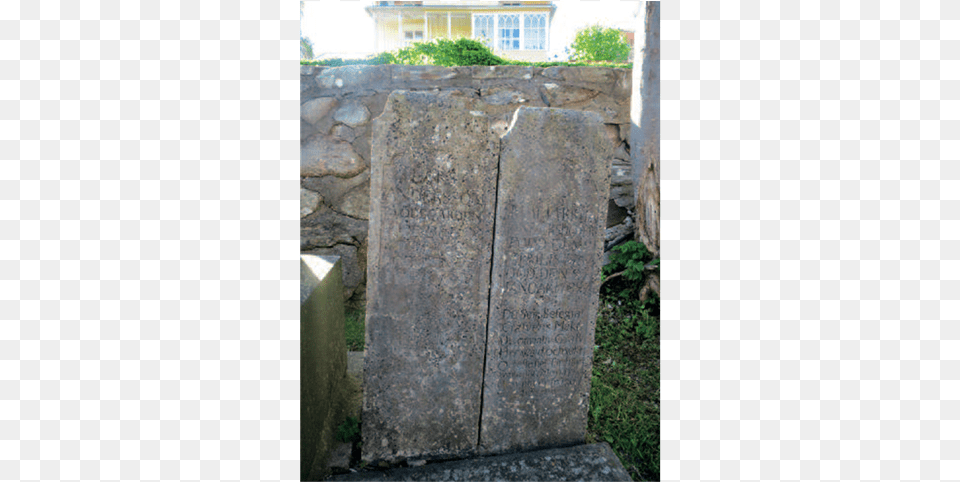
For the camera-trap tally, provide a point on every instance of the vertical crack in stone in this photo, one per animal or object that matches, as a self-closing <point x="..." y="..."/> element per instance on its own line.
<point x="486" y="339"/>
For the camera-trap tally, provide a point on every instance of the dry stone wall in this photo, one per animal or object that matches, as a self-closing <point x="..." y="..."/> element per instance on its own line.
<point x="339" y="103"/>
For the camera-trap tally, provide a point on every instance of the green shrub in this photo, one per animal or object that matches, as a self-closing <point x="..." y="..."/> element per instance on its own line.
<point x="447" y="53"/>
<point x="597" y="43"/>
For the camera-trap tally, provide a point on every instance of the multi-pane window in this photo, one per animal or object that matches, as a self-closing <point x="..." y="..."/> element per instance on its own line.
<point x="527" y="31"/>
<point x="483" y="29"/>
<point x="535" y="31"/>
<point x="509" y="30"/>
<point x="411" y="36"/>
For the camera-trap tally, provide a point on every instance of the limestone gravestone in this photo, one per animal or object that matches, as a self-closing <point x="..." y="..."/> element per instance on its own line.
<point x="433" y="188"/>
<point x="548" y="247"/>
<point x="483" y="274"/>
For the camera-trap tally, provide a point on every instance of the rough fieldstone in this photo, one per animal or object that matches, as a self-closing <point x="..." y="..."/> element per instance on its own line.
<point x="503" y="95"/>
<point x="355" y="203"/>
<point x="334" y="188"/>
<point x="503" y="72"/>
<point x="345" y="196"/>
<point x="620" y="173"/>
<point x="312" y="111"/>
<point x="353" y="273"/>
<point x="592" y="76"/>
<point x="548" y="247"/>
<point x="353" y="114"/>
<point x="615" y="214"/>
<point x="609" y="107"/>
<point x="559" y="95"/>
<point x="428" y="73"/>
<point x="625" y="132"/>
<point x="433" y="188"/>
<point x="309" y="201"/>
<point x="354" y="76"/>
<point x="344" y="132"/>
<point x="621" y="152"/>
<point x="555" y="73"/>
<point x="306" y="130"/>
<point x="612" y="132"/>
<point x="325" y="228"/>
<point x="622" y="195"/>
<point x="322" y="155"/>
<point x="614" y="234"/>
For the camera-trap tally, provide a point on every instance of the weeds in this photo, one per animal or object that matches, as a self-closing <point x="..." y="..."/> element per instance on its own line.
<point x="355" y="329"/>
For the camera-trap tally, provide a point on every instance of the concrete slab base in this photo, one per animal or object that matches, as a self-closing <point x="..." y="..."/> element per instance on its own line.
<point x="582" y="462"/>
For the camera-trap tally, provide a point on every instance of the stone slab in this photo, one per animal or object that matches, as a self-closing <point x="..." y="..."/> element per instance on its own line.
<point x="433" y="188"/>
<point x="594" y="462"/>
<point x="551" y="215"/>
<point x="323" y="361"/>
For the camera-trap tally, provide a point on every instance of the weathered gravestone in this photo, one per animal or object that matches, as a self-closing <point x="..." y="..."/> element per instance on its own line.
<point x="475" y="346"/>
<point x="551" y="215"/>
<point x="433" y="188"/>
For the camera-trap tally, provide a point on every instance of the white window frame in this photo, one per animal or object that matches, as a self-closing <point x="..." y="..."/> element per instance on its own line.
<point x="510" y="39"/>
<point x="413" y="31"/>
<point x="493" y="23"/>
<point x="523" y="28"/>
<point x="495" y="41"/>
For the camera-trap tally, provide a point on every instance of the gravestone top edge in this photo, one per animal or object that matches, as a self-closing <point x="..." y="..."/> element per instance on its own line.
<point x="313" y="269"/>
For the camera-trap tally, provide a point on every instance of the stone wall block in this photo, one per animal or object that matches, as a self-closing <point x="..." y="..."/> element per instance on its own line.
<point x="621" y="152"/>
<point x="558" y="95"/>
<point x="353" y="114"/>
<point x="555" y="73"/>
<point x="322" y="155"/>
<point x="622" y="195"/>
<point x="356" y="202"/>
<point x="612" y="131"/>
<point x="334" y="189"/>
<point x="306" y="130"/>
<point x="325" y="228"/>
<point x="503" y="72"/>
<point x="314" y="110"/>
<point x="621" y="173"/>
<point x="309" y="201"/>
<point x="344" y="132"/>
<point x="510" y="95"/>
<point x="354" y="77"/>
<point x="610" y="108"/>
<point x="430" y="75"/>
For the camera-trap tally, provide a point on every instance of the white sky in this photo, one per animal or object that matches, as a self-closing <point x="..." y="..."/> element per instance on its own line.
<point x="343" y="27"/>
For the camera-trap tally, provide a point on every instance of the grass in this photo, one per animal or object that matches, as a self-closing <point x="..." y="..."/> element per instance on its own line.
<point x="355" y="329"/>
<point x="625" y="384"/>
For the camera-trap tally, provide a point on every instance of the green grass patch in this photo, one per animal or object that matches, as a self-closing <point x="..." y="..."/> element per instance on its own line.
<point x="625" y="386"/>
<point x="355" y="329"/>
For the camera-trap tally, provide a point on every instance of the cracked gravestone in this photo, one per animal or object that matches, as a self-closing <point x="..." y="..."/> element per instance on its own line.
<point x="551" y="215"/>
<point x="433" y="184"/>
<point x="483" y="274"/>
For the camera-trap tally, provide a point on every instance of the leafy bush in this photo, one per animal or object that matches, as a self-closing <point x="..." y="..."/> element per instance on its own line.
<point x="629" y="261"/>
<point x="447" y="53"/>
<point x="597" y="43"/>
